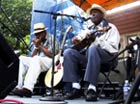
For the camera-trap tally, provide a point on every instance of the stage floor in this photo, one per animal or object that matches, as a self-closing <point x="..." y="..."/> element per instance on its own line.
<point x="36" y="100"/>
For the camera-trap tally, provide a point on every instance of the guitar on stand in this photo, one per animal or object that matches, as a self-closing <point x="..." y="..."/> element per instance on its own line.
<point x="58" y="71"/>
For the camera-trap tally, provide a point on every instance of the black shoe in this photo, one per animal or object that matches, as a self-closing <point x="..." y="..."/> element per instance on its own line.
<point x="24" y="92"/>
<point x="75" y="93"/>
<point x="13" y="91"/>
<point x="91" y="95"/>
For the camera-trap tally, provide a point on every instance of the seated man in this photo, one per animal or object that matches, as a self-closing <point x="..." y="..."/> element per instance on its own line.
<point x="105" y="44"/>
<point x="31" y="67"/>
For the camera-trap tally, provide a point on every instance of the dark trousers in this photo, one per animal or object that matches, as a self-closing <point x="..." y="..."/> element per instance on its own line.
<point x="93" y="60"/>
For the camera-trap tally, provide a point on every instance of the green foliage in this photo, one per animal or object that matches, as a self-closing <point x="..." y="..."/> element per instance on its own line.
<point x="11" y="41"/>
<point x="27" y="41"/>
<point x="15" y="19"/>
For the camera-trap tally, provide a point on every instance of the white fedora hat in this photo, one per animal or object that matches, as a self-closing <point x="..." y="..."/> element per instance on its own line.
<point x="39" y="27"/>
<point x="97" y="7"/>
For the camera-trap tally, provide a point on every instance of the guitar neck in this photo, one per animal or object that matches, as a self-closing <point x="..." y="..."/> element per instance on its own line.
<point x="63" y="41"/>
<point x="87" y="41"/>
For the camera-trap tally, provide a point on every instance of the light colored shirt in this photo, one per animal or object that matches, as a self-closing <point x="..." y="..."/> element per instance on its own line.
<point x="109" y="40"/>
<point x="48" y="43"/>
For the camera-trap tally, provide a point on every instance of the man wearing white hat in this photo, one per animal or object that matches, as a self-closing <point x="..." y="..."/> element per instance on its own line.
<point x="105" y="44"/>
<point x="31" y="67"/>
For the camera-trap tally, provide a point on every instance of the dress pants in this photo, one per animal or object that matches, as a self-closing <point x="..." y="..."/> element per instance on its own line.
<point x="93" y="59"/>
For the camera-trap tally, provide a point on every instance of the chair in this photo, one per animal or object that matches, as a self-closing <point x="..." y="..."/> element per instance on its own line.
<point x="106" y="69"/>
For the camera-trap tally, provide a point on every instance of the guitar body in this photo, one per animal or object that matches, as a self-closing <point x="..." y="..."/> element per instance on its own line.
<point x="89" y="39"/>
<point x="84" y="43"/>
<point x="58" y="74"/>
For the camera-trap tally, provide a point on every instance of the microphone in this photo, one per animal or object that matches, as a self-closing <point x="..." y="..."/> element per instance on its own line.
<point x="136" y="41"/>
<point x="132" y="40"/>
<point x="86" y="19"/>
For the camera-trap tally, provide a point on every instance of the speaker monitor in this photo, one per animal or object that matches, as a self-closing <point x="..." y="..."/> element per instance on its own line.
<point x="9" y="64"/>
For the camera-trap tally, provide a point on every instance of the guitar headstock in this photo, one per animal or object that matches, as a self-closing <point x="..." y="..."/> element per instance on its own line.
<point x="69" y="29"/>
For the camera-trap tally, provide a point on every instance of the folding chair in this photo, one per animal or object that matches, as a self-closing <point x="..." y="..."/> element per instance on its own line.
<point x="106" y="70"/>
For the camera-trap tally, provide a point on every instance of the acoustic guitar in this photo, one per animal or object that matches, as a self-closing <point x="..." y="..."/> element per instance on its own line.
<point x="88" y="40"/>
<point x="58" y="69"/>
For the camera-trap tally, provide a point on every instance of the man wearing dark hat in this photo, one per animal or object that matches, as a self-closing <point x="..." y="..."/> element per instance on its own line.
<point x="101" y="50"/>
<point x="31" y="67"/>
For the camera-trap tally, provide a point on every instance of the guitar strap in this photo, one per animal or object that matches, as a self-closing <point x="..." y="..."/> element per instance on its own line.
<point x="103" y="24"/>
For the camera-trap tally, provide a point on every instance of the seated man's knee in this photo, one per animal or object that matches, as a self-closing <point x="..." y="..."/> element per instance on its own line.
<point x="67" y="52"/>
<point x="21" y="57"/>
<point x="93" y="48"/>
<point x="36" y="57"/>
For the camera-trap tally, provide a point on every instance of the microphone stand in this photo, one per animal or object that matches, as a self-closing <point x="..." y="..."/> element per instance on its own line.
<point x="52" y="97"/>
<point x="59" y="14"/>
<point x="137" y="80"/>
